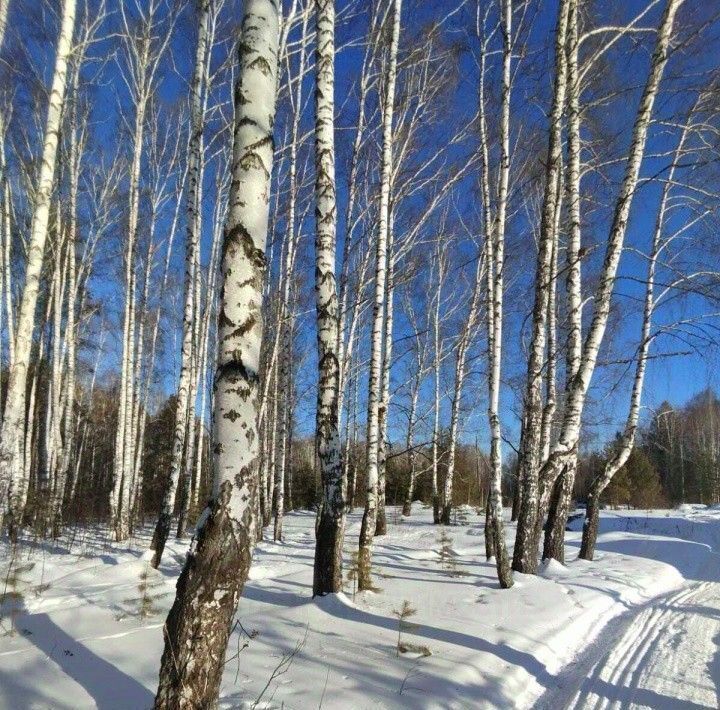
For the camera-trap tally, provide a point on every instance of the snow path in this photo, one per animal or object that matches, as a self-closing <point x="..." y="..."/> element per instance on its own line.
<point x="664" y="655"/>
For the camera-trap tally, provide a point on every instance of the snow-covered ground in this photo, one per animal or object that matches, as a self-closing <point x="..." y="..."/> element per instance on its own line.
<point x="82" y="622"/>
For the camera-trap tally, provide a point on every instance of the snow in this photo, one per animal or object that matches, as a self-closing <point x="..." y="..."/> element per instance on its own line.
<point x="640" y="624"/>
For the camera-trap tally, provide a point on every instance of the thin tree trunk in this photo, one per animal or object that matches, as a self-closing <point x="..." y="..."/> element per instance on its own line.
<point x="460" y="372"/>
<point x="330" y="526"/>
<point x="420" y="369"/>
<point x="437" y="358"/>
<point x="525" y="552"/>
<point x="369" y="520"/>
<point x="554" y="546"/>
<point x="13" y="481"/>
<point x="194" y="221"/>
<point x="124" y="459"/>
<point x="383" y="411"/>
<point x="208" y="316"/>
<point x="495" y="245"/>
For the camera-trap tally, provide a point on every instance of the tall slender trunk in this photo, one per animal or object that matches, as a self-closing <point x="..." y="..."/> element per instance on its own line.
<point x="369" y="520"/>
<point x="208" y="315"/>
<point x="463" y="346"/>
<point x="495" y="247"/>
<point x="383" y="411"/>
<point x="577" y="390"/>
<point x="54" y="391"/>
<point x="185" y="406"/>
<point x="554" y="546"/>
<point x="412" y="414"/>
<point x="50" y="339"/>
<point x="286" y="314"/>
<point x="330" y="528"/>
<point x="278" y="472"/>
<point x="124" y="448"/>
<point x="71" y="328"/>
<point x="353" y="183"/>
<point x="217" y="566"/>
<point x="192" y="423"/>
<point x="525" y="552"/>
<point x="13" y="481"/>
<point x="437" y="358"/>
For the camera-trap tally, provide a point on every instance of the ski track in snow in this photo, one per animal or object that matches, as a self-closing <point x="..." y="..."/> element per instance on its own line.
<point x="664" y="655"/>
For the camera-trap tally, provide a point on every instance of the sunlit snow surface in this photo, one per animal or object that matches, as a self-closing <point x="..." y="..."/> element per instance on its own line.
<point x="638" y="627"/>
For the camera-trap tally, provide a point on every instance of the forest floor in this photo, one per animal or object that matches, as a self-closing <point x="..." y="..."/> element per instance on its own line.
<point x="82" y="620"/>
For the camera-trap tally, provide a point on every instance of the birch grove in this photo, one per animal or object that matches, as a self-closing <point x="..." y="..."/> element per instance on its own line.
<point x="384" y="264"/>
<point x="534" y="499"/>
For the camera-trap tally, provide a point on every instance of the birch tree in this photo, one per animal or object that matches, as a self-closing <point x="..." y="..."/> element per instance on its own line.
<point x="495" y="249"/>
<point x="330" y="527"/>
<point x="560" y="504"/>
<point x="369" y="520"/>
<point x="440" y="268"/>
<point x="199" y="623"/>
<point x="186" y="405"/>
<point x="462" y="347"/>
<point x="535" y="506"/>
<point x="525" y="555"/>
<point x="419" y="366"/>
<point x="13" y="480"/>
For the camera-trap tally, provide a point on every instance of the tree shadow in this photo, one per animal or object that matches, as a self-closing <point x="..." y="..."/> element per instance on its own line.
<point x="334" y="606"/>
<point x="714" y="668"/>
<point x="110" y="688"/>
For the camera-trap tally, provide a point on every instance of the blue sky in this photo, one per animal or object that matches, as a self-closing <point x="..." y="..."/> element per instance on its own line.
<point x="675" y="378"/>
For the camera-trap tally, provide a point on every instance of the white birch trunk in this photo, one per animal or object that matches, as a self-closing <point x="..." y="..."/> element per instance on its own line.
<point x="437" y="359"/>
<point x="330" y="527"/>
<point x="13" y="482"/>
<point x="370" y="514"/>
<point x="525" y="552"/>
<point x="71" y="329"/>
<point x="383" y="412"/>
<point x="199" y="623"/>
<point x="185" y="404"/>
<point x="495" y="243"/>
<point x="345" y="359"/>
<point x="554" y="546"/>
<point x="124" y="459"/>
<point x="464" y="342"/>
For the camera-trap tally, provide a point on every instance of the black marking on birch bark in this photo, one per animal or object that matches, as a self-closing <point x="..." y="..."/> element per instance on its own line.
<point x="239" y="235"/>
<point x="235" y="371"/>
